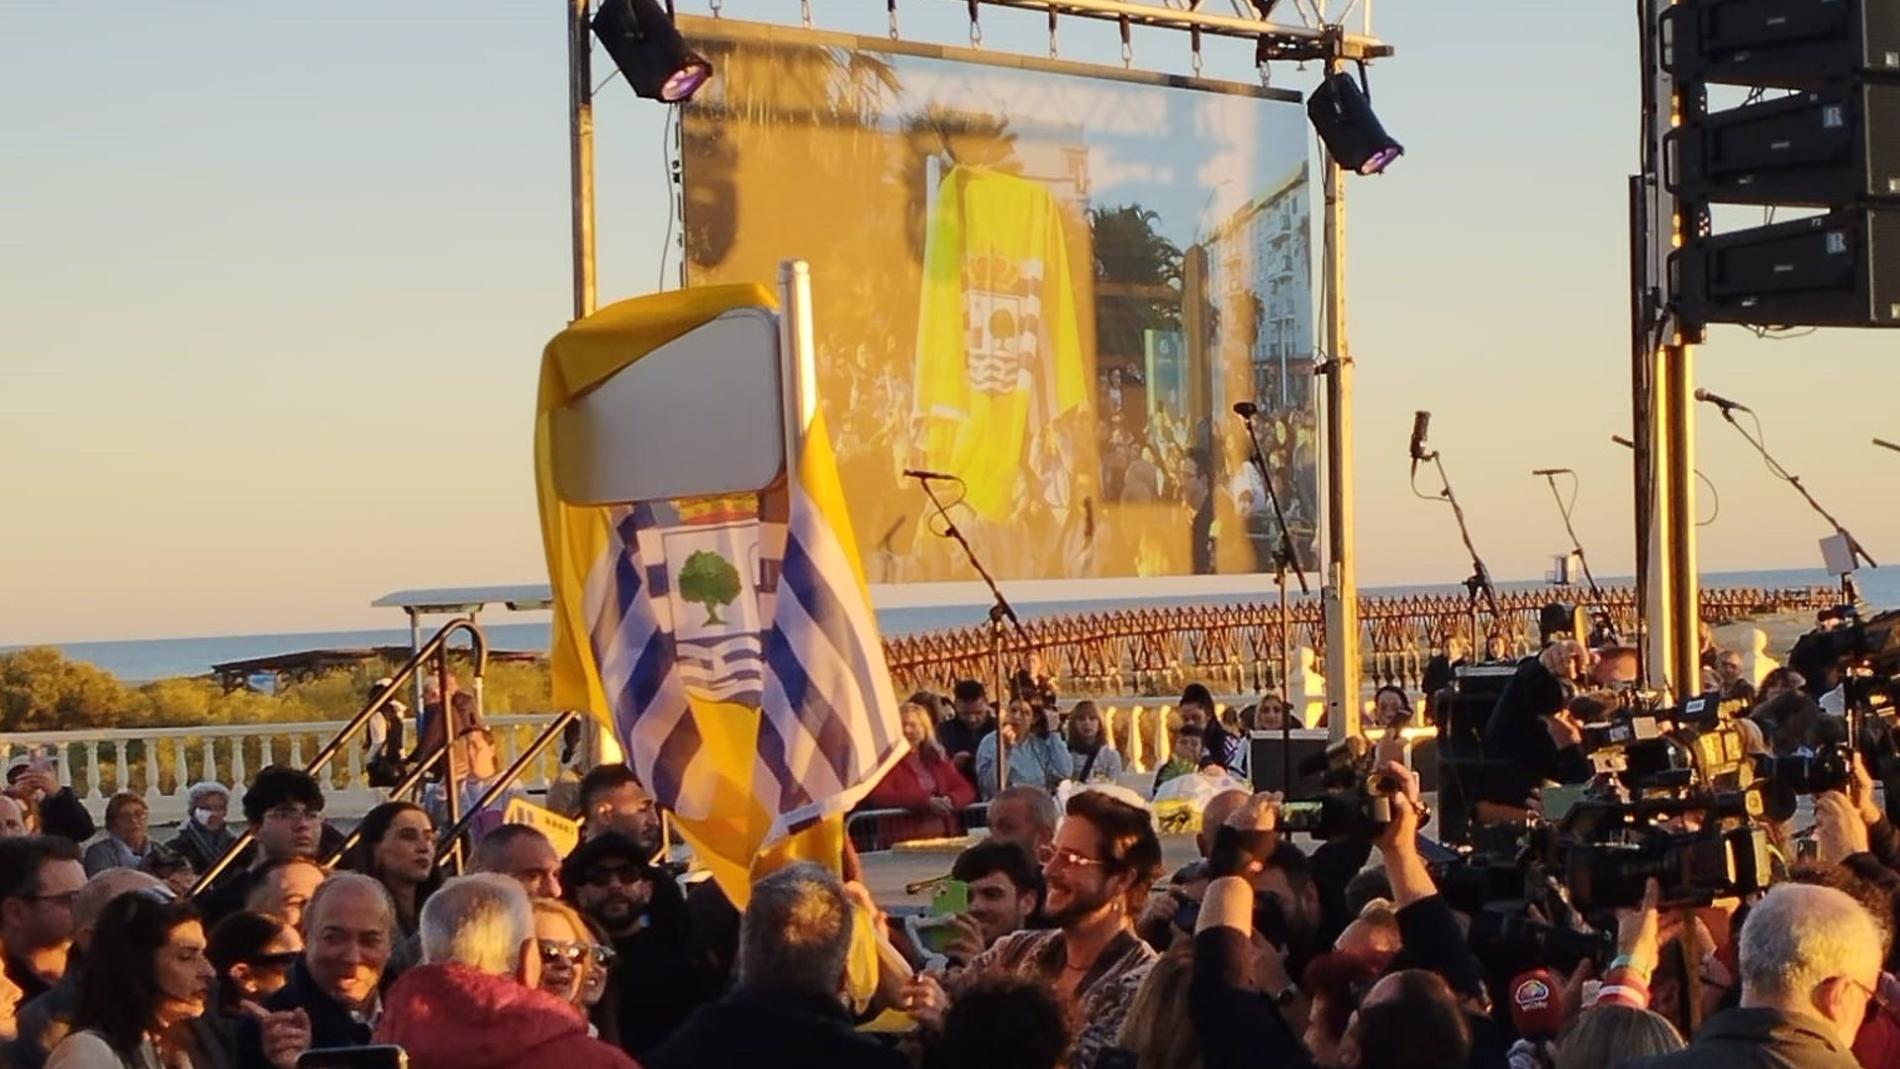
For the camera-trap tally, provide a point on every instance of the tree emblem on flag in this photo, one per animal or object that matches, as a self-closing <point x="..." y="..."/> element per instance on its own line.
<point x="709" y="579"/>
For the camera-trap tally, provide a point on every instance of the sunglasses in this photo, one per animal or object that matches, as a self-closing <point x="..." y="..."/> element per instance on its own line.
<point x="556" y="950"/>
<point x="623" y="874"/>
<point x="283" y="959"/>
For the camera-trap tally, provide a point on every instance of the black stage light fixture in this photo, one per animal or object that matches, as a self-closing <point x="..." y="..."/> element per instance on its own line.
<point x="648" y="49"/>
<point x="1342" y="114"/>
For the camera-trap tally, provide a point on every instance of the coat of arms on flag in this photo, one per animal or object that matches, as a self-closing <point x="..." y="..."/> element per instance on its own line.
<point x="727" y="639"/>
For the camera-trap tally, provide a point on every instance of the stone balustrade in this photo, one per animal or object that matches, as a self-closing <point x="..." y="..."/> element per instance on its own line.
<point x="161" y="764"/>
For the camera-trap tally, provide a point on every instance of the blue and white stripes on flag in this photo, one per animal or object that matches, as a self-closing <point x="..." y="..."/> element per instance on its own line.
<point x="728" y="642"/>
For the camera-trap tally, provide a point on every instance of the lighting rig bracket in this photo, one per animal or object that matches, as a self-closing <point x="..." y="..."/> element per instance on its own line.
<point x="1276" y="41"/>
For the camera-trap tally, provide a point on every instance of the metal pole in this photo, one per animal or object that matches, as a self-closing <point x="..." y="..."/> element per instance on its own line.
<point x="1342" y="597"/>
<point x="1640" y="358"/>
<point x="1665" y="385"/>
<point x="580" y="129"/>
<point x="1686" y="664"/>
<point x="415" y="647"/>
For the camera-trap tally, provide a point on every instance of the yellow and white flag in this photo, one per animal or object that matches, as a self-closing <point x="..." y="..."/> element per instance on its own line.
<point x="728" y="641"/>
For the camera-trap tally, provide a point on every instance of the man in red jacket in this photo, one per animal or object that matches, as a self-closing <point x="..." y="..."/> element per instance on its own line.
<point x="475" y="1002"/>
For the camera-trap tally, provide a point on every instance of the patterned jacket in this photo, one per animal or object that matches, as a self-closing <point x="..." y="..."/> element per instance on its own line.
<point x="1101" y="999"/>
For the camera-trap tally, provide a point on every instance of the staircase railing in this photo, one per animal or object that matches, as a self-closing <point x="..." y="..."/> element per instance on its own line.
<point x="434" y="648"/>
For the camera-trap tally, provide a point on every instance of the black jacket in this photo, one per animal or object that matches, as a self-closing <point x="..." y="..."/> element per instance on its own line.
<point x="1239" y="1028"/>
<point x="1759" y="1039"/>
<point x="1521" y="753"/>
<point x="200" y="847"/>
<point x="780" y="1029"/>
<point x="64" y="815"/>
<point x="44" y="1020"/>
<point x="956" y="738"/>
<point x="331" y="1023"/>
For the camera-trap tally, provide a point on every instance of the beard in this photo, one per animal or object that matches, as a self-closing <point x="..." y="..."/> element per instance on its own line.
<point x="1081" y="904"/>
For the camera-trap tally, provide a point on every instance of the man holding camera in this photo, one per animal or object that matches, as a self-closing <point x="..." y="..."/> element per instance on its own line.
<point x="1531" y="738"/>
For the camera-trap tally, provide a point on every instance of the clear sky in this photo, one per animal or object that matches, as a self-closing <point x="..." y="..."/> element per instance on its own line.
<point x="277" y="279"/>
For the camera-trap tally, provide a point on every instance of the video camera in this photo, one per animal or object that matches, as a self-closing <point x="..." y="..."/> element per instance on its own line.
<point x="1651" y="748"/>
<point x="1358" y="795"/>
<point x="1864" y="655"/>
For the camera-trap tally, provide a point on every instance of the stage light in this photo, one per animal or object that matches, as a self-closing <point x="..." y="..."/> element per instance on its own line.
<point x="649" y="51"/>
<point x="1343" y="116"/>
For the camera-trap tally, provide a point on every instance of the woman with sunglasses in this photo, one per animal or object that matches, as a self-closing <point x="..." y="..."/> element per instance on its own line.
<point x="396" y="845"/>
<point x="252" y="954"/>
<point x="566" y="950"/>
<point x="146" y="975"/>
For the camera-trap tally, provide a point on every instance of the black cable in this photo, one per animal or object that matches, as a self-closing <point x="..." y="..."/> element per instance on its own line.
<point x="666" y="168"/>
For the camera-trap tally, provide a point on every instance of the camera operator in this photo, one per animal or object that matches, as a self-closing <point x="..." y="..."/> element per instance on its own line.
<point x="1234" y="1007"/>
<point x="1530" y="738"/>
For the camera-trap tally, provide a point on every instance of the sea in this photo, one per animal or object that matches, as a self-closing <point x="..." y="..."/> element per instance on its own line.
<point x="143" y="660"/>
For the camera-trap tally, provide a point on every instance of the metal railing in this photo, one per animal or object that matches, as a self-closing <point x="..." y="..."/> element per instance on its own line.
<point x="1154" y="651"/>
<point x="435" y="649"/>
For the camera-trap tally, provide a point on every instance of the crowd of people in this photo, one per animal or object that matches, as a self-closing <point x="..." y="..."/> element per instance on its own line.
<point x="1072" y="945"/>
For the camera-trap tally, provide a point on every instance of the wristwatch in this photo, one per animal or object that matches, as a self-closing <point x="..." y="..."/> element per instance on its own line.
<point x="1285" y="997"/>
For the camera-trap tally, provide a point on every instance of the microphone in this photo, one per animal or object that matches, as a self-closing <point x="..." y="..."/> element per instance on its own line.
<point x="1245" y="409"/>
<point x="1720" y="402"/>
<point x="1421" y="422"/>
<point x="940" y="476"/>
<point x="1536" y="1010"/>
<point x="1552" y="471"/>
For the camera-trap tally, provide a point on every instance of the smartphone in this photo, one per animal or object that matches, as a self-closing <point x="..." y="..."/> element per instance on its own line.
<point x="952" y="898"/>
<point x="1186" y="914"/>
<point x="385" y="1056"/>
<point x="934" y="933"/>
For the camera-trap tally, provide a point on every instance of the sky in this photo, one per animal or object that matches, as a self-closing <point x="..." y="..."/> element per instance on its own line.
<point x="278" y="277"/>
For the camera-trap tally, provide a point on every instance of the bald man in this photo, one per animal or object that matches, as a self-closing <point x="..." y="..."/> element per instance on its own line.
<point x="349" y="930"/>
<point x="1214" y="814"/>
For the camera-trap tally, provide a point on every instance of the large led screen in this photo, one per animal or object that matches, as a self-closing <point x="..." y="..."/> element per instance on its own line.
<point x="1052" y="281"/>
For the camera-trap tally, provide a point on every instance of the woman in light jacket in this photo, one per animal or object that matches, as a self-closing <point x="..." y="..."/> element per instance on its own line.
<point x="1090" y="751"/>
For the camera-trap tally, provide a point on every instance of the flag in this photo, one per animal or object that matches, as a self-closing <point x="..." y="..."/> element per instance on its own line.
<point x="728" y="642"/>
<point x="999" y="350"/>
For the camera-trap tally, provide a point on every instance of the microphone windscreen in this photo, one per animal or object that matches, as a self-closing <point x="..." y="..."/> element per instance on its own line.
<point x="1536" y="1009"/>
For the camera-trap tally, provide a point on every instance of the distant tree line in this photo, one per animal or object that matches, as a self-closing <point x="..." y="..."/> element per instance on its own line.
<point x="42" y="690"/>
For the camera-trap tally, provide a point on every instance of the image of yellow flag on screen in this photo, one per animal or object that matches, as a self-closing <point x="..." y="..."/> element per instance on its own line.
<point x="727" y="641"/>
<point x="999" y="352"/>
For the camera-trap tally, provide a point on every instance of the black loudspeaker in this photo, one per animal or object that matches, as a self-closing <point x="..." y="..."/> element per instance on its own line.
<point x="1266" y="768"/>
<point x="1836" y="270"/>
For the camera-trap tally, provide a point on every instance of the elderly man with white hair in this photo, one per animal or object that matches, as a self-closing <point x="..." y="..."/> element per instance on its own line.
<point x="1810" y="965"/>
<point x="474" y="1003"/>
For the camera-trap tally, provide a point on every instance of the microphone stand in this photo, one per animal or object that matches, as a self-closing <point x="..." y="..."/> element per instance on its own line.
<point x="1000" y="610"/>
<point x="1480" y="580"/>
<point x="1576" y="545"/>
<point x="1283" y="559"/>
<point x="1848" y="594"/>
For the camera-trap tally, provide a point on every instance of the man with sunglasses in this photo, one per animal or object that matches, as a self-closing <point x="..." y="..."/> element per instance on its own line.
<point x="610" y="879"/>
<point x="1097" y="870"/>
